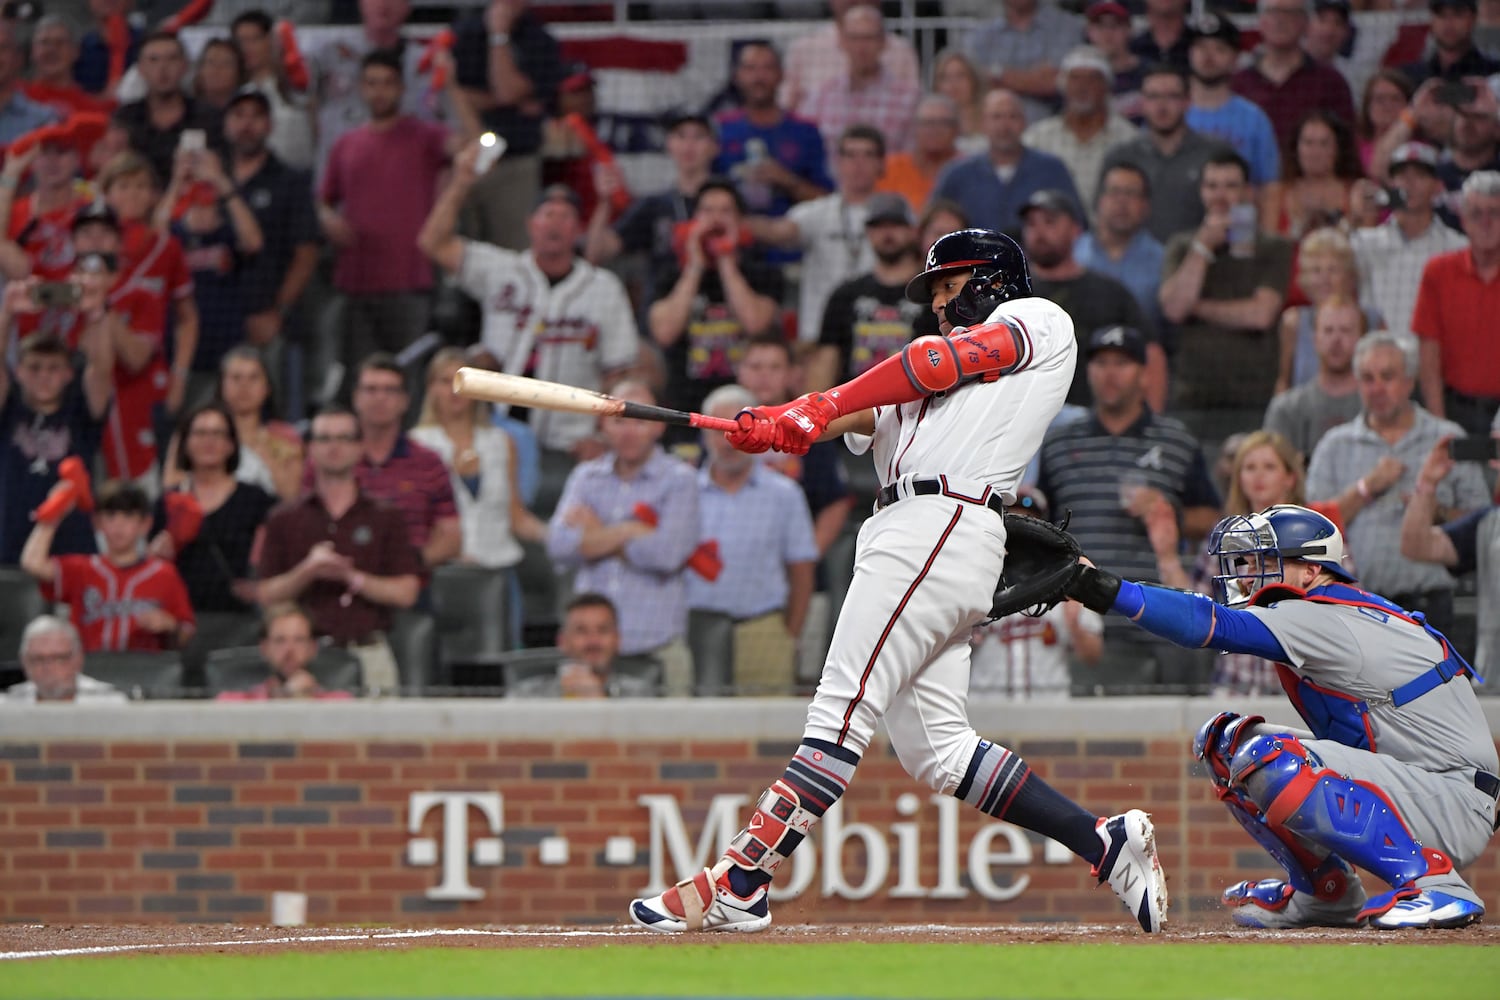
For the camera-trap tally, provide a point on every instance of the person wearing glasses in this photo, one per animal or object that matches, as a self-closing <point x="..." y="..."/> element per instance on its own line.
<point x="344" y="557"/>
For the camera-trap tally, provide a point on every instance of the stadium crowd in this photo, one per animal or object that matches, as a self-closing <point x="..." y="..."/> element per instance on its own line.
<point x="237" y="290"/>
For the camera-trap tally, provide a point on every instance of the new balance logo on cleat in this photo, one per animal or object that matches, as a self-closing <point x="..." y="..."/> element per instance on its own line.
<point x="1132" y="869"/>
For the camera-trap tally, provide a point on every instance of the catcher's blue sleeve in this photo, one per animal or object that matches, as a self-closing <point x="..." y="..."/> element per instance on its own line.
<point x="1194" y="621"/>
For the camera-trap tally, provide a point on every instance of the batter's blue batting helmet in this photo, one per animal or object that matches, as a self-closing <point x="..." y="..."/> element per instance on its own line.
<point x="999" y="267"/>
<point x="1276" y="534"/>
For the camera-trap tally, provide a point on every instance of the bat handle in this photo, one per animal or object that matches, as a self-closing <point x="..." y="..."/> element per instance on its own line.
<point x="705" y="422"/>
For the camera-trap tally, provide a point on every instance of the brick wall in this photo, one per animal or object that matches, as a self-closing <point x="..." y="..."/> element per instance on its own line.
<point x="207" y="829"/>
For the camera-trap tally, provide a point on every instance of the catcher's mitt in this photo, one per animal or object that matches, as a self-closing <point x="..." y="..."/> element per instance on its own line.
<point x="1041" y="563"/>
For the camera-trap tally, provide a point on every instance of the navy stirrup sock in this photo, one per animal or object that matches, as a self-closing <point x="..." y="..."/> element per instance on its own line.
<point x="999" y="783"/>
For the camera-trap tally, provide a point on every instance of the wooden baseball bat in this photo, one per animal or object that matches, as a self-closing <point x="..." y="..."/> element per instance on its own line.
<point x="518" y="390"/>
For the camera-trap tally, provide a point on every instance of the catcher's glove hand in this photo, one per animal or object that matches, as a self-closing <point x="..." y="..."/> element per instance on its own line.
<point x="1041" y="564"/>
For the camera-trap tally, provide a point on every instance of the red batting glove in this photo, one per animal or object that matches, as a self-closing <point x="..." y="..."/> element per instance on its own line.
<point x="646" y="514"/>
<point x="72" y="470"/>
<point x="184" y="518"/>
<point x="755" y="433"/>
<point x="58" y="505"/>
<point x="799" y="428"/>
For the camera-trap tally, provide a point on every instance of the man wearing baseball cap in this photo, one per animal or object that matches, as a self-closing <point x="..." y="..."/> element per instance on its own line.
<point x="1087" y="127"/>
<point x="1050" y="224"/>
<point x="1165" y="38"/>
<point x="1284" y="81"/>
<point x="1107" y="28"/>
<point x="1123" y="470"/>
<point x="1392" y="254"/>
<point x="868" y="318"/>
<point x="1454" y="55"/>
<point x="1218" y="111"/>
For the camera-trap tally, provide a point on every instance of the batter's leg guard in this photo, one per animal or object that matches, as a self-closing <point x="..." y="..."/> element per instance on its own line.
<point x="1319" y="822"/>
<point x="733" y="895"/>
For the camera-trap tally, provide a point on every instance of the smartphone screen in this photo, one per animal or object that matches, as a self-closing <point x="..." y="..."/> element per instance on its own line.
<point x="193" y="140"/>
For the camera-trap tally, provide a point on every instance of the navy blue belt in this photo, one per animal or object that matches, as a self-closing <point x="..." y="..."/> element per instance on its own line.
<point x="1487" y="783"/>
<point x="933" y="487"/>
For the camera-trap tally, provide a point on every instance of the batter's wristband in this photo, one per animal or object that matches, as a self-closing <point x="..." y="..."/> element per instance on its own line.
<point x="1095" y="589"/>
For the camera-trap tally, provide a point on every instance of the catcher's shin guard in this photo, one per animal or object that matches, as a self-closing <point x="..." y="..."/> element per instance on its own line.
<point x="1299" y="801"/>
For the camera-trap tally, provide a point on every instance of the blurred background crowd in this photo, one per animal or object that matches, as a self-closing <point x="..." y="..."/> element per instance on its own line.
<point x="246" y="247"/>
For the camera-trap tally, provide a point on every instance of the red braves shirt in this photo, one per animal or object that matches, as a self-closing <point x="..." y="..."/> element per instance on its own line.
<point x="104" y="600"/>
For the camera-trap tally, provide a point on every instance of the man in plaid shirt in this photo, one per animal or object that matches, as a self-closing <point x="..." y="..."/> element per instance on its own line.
<point x="867" y="94"/>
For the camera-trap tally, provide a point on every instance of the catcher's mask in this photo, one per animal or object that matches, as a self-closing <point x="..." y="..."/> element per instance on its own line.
<point x="1252" y="550"/>
<point x="999" y="267"/>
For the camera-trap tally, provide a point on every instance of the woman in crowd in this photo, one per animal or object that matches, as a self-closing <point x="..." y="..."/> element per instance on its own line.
<point x="1318" y="168"/>
<point x="955" y="77"/>
<point x="1387" y="94"/>
<point x="220" y="72"/>
<point x="1267" y="471"/>
<point x="212" y="555"/>
<point x="271" y="453"/>
<point x="482" y="464"/>
<point x="1326" y="268"/>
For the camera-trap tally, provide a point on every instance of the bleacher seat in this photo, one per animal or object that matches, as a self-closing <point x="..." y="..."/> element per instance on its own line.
<point x="241" y="667"/>
<point x="472" y="609"/>
<point x="521" y="664"/>
<point x="139" y="674"/>
<point x="541" y="590"/>
<point x="215" y="630"/>
<point x="20" y="602"/>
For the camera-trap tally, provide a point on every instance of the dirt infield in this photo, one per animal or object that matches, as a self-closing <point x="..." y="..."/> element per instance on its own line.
<point x="20" y="941"/>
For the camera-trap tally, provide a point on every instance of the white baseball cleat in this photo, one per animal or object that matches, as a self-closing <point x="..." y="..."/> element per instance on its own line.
<point x="1132" y="869"/>
<point x="705" y="902"/>
<point x="1429" y="908"/>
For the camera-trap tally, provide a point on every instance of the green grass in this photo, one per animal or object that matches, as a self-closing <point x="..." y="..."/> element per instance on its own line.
<point x="750" y="969"/>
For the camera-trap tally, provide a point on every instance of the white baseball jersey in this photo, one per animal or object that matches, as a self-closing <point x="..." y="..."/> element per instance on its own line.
<point x="571" y="332"/>
<point x="926" y="565"/>
<point x="984" y="432"/>
<point x="1025" y="657"/>
<point x="834" y="249"/>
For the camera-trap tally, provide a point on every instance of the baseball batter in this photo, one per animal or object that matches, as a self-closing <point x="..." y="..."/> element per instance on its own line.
<point x="951" y="423"/>
<point x="1396" y="772"/>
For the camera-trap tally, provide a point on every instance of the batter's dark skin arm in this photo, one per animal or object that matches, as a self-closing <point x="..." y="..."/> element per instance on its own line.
<point x="862" y="422"/>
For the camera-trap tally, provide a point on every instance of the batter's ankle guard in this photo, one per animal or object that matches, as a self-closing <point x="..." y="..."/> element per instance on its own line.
<point x="776" y="828"/>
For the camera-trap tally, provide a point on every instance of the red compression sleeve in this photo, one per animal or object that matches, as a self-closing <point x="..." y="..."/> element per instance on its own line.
<point x="935" y="364"/>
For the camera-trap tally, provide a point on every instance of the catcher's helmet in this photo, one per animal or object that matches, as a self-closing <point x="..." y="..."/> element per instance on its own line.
<point x="999" y="267"/>
<point x="1276" y="534"/>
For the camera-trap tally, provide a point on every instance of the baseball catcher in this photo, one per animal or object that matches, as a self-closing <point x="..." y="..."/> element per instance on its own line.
<point x="951" y="423"/>
<point x="1396" y="770"/>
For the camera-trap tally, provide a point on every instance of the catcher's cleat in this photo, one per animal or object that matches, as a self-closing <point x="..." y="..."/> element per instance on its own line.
<point x="1274" y="905"/>
<point x="1429" y="908"/>
<point x="1132" y="869"/>
<point x="705" y="902"/>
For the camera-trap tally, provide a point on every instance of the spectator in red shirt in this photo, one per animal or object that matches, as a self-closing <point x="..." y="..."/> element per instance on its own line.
<point x="54" y="50"/>
<point x="117" y="599"/>
<point x="153" y="274"/>
<point x="1284" y="80"/>
<point x="343" y="555"/>
<point x="38" y="227"/>
<point x="378" y="188"/>
<point x="397" y="470"/>
<point x="1456" y="305"/>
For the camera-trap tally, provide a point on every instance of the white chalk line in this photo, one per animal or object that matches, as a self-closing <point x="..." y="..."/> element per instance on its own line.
<point x="850" y="930"/>
<point x="116" y="949"/>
